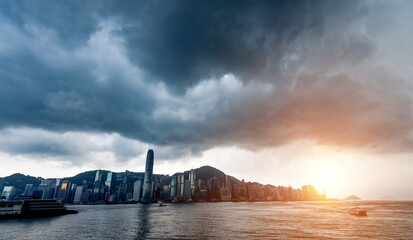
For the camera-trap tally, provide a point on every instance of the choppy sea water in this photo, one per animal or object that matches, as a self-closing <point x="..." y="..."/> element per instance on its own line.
<point x="243" y="220"/>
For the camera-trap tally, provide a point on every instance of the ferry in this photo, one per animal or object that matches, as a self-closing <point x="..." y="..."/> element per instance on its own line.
<point x="357" y="211"/>
<point x="32" y="208"/>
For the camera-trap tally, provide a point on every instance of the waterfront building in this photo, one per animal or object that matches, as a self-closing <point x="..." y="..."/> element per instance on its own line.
<point x="28" y="190"/>
<point x="224" y="193"/>
<point x="182" y="185"/>
<point x="173" y="188"/>
<point x="187" y="190"/>
<point x="63" y="190"/>
<point x="9" y="192"/>
<point x="108" y="181"/>
<point x="84" y="198"/>
<point x="72" y="192"/>
<point x="147" y="184"/>
<point x="56" y="184"/>
<point x="137" y="188"/>
<point x="96" y="191"/>
<point x="45" y="187"/>
<point x="152" y="189"/>
<point x="98" y="176"/>
<point x="78" y="194"/>
<point x="192" y="178"/>
<point x="178" y="186"/>
<point x="37" y="194"/>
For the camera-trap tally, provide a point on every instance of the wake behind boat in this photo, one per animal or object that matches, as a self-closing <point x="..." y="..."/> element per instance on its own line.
<point x="357" y="211"/>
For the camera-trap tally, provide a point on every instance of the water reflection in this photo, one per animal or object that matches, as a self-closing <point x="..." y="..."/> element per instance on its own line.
<point x="144" y="221"/>
<point x="284" y="220"/>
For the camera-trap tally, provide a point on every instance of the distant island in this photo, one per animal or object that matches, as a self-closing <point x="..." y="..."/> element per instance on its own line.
<point x="352" y="197"/>
<point x="388" y="198"/>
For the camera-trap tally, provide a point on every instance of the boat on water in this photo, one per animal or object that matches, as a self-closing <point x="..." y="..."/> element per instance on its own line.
<point x="357" y="211"/>
<point x="32" y="208"/>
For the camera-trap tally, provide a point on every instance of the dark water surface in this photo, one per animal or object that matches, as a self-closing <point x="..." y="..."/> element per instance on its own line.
<point x="269" y="220"/>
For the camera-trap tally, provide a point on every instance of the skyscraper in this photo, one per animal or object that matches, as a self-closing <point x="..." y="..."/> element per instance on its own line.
<point x="192" y="178"/>
<point x="147" y="183"/>
<point x="137" y="190"/>
<point x="108" y="181"/>
<point x="98" y="176"/>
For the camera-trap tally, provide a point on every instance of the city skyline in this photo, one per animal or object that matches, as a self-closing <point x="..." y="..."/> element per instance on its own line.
<point x="205" y="184"/>
<point x="278" y="92"/>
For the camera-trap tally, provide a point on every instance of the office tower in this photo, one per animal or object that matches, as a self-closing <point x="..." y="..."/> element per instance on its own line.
<point x="192" y="177"/>
<point x="63" y="191"/>
<point x="182" y="183"/>
<point x="187" y="190"/>
<point x="108" y="181"/>
<point x="96" y="190"/>
<point x="47" y="190"/>
<point x="98" y="176"/>
<point x="28" y="190"/>
<point x="137" y="190"/>
<point x="56" y="187"/>
<point x="147" y="184"/>
<point x="9" y="192"/>
<point x="178" y="186"/>
<point x="72" y="192"/>
<point x="173" y="187"/>
<point x="78" y="194"/>
<point x="152" y="189"/>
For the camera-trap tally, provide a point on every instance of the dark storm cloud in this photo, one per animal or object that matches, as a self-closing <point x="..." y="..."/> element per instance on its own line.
<point x="182" y="43"/>
<point x="190" y="77"/>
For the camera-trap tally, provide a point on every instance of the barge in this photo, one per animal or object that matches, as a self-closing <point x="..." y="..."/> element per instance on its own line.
<point x="32" y="208"/>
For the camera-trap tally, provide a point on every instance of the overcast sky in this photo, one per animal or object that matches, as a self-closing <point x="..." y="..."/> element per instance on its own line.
<point x="280" y="92"/>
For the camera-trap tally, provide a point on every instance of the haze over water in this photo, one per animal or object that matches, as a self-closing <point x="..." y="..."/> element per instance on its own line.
<point x="244" y="220"/>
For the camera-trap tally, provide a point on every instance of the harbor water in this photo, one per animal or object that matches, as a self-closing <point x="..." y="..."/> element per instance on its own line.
<point x="226" y="220"/>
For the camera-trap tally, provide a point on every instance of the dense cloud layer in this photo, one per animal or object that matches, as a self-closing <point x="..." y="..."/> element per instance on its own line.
<point x="190" y="77"/>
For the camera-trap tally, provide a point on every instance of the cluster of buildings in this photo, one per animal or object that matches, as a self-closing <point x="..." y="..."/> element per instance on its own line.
<point x="185" y="187"/>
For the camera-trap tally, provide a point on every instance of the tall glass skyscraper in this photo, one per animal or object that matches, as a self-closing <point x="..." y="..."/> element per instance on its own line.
<point x="147" y="183"/>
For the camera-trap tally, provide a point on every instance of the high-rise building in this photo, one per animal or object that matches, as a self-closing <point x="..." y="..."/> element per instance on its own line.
<point x="187" y="190"/>
<point x="147" y="183"/>
<point x="9" y="192"/>
<point x="192" y="178"/>
<point x="178" y="186"/>
<point x="28" y="190"/>
<point x="182" y="183"/>
<point x="108" y="181"/>
<point x="173" y="188"/>
<point x="98" y="176"/>
<point x="137" y="187"/>
<point x="63" y="190"/>
<point x="78" y="194"/>
<point x="56" y="185"/>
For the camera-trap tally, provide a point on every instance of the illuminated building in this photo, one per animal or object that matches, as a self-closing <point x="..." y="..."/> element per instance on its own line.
<point x="63" y="191"/>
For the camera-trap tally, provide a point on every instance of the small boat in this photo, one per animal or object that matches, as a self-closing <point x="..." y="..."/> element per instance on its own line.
<point x="357" y="211"/>
<point x="162" y="205"/>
